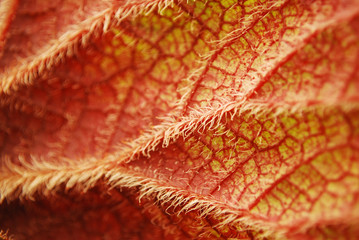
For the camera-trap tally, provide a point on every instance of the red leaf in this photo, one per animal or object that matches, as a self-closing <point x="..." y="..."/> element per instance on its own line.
<point x="174" y="120"/>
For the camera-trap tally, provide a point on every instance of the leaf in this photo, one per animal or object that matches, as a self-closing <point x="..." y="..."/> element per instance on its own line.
<point x="180" y="120"/>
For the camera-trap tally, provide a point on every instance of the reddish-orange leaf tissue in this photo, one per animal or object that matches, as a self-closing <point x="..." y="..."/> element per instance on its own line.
<point x="179" y="119"/>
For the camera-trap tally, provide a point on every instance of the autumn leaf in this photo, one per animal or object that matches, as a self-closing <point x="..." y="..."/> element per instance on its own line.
<point x="213" y="119"/>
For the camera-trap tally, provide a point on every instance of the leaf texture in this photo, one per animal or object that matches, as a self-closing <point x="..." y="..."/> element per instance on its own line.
<point x="180" y="120"/>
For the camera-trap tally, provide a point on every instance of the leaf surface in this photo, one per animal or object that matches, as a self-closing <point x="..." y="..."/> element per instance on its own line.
<point x="173" y="120"/>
